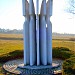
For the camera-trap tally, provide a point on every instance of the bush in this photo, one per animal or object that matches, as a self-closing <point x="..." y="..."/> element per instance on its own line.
<point x="12" y="55"/>
<point x="69" y="63"/>
<point x="69" y="66"/>
<point x="58" y="52"/>
<point x="61" y="52"/>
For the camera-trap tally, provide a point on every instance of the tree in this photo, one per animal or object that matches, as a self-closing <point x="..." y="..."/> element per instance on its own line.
<point x="70" y="6"/>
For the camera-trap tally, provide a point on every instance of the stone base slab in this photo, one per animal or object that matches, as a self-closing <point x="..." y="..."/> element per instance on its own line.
<point x="37" y="70"/>
<point x="17" y="67"/>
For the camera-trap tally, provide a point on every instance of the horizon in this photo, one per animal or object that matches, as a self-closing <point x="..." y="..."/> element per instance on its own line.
<point x="22" y="29"/>
<point x="11" y="16"/>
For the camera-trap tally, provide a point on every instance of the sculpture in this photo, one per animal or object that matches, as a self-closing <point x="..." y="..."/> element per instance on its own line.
<point x="37" y="33"/>
<point x="37" y="30"/>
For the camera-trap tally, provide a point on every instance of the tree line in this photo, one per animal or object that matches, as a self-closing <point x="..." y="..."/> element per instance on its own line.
<point x="14" y="31"/>
<point x="20" y="31"/>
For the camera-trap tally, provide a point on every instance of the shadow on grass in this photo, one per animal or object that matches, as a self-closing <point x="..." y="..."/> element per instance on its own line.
<point x="58" y="52"/>
<point x="17" y="54"/>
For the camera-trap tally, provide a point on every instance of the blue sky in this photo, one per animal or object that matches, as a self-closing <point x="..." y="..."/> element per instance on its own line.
<point x="11" y="16"/>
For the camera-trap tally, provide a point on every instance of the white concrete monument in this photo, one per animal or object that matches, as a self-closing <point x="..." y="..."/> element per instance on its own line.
<point x="37" y="30"/>
<point x="37" y="33"/>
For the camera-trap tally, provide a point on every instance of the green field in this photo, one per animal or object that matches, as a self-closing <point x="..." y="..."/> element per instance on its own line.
<point x="12" y="42"/>
<point x="67" y="44"/>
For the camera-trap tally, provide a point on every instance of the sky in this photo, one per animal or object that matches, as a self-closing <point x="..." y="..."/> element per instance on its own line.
<point x="11" y="16"/>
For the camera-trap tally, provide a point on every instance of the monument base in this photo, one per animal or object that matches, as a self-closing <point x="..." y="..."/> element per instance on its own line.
<point x="38" y="70"/>
<point x="17" y="67"/>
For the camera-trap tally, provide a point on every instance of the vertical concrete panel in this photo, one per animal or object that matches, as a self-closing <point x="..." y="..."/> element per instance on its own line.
<point x="43" y="41"/>
<point x="32" y="33"/>
<point x="49" y="7"/>
<point x="26" y="41"/>
<point x="31" y="7"/>
<point x="24" y="7"/>
<point x="37" y="32"/>
<point x="37" y="38"/>
<point x="49" y="30"/>
<point x="26" y="31"/>
<point x="32" y="41"/>
<point x="49" y="41"/>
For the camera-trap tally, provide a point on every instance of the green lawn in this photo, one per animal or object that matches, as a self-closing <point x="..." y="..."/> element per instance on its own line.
<point x="62" y="43"/>
<point x="9" y="44"/>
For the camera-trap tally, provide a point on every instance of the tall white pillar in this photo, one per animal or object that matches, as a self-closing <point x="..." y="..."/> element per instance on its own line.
<point x="49" y="31"/>
<point x="43" y="41"/>
<point x="37" y="32"/>
<point x="26" y="32"/>
<point x="49" y="41"/>
<point x="26" y="41"/>
<point x="32" y="33"/>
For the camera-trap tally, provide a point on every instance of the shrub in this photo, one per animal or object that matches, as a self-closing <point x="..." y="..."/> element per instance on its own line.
<point x="69" y="66"/>
<point x="12" y="55"/>
<point x="61" y="52"/>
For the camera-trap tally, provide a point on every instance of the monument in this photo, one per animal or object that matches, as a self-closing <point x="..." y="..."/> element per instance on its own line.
<point x="37" y="33"/>
<point x="37" y="30"/>
<point x="37" y="36"/>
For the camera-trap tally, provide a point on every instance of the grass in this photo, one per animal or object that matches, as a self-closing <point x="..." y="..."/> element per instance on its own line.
<point x="10" y="43"/>
<point x="11" y="35"/>
<point x="7" y="46"/>
<point x="67" y="44"/>
<point x="69" y="66"/>
<point x="1" y="73"/>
